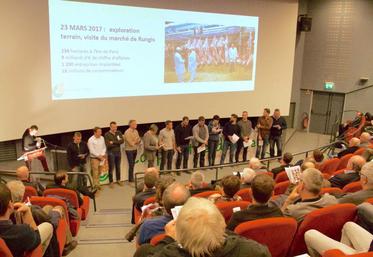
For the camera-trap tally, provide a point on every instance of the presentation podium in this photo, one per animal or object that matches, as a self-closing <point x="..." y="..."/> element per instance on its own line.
<point x="29" y="156"/>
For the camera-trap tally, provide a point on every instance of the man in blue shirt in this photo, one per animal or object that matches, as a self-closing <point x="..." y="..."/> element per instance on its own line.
<point x="175" y="195"/>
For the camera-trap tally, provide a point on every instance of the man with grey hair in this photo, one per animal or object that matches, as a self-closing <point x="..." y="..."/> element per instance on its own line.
<point x="247" y="176"/>
<point x="351" y="174"/>
<point x="200" y="231"/>
<point x="197" y="183"/>
<point x="366" y="180"/>
<point x="256" y="165"/>
<point x="306" y="196"/>
<point x="353" y="145"/>
<point x="175" y="195"/>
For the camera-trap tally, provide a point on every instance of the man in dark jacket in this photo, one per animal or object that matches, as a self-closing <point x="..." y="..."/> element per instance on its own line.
<point x="275" y="139"/>
<point x="285" y="163"/>
<point x="231" y="132"/>
<point x="351" y="174"/>
<point x="353" y="145"/>
<point x="183" y="134"/>
<point x="201" y="232"/>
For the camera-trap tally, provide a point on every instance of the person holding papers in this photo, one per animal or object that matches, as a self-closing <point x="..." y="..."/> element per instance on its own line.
<point x="200" y="140"/>
<point x="231" y="132"/>
<point x="168" y="145"/>
<point x="183" y="134"/>
<point x="264" y="126"/>
<point x="246" y="128"/>
<point x="214" y="137"/>
<point x="275" y="138"/>
<point x="97" y="150"/>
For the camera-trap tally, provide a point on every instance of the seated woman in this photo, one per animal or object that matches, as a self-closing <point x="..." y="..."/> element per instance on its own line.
<point x="230" y="185"/>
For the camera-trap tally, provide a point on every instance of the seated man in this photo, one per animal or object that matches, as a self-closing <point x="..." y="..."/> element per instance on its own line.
<point x="351" y="174"/>
<point x="150" y="180"/>
<point x="61" y="180"/>
<point x="197" y="183"/>
<point x="256" y="165"/>
<point x="229" y="186"/>
<point x="247" y="177"/>
<point x="366" y="180"/>
<point x="353" y="145"/>
<point x="140" y="186"/>
<point x="306" y="196"/>
<point x="285" y="162"/>
<point x="200" y="230"/>
<point x="365" y="216"/>
<point x="354" y="240"/>
<point x="262" y="190"/>
<point x="24" y="237"/>
<point x="365" y="140"/>
<point x="307" y="165"/>
<point x="175" y="195"/>
<point x="318" y="157"/>
<point x="23" y="174"/>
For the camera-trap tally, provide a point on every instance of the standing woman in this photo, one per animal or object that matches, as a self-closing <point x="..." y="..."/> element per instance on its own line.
<point x="151" y="145"/>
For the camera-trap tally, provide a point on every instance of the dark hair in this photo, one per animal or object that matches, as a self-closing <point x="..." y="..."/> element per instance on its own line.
<point x="262" y="188"/>
<point x="185" y="118"/>
<point x="59" y="177"/>
<point x="287" y="158"/>
<point x="277" y="110"/>
<point x="150" y="179"/>
<point x="201" y="118"/>
<point x="216" y="117"/>
<point x="34" y="127"/>
<point x="77" y="134"/>
<point x="234" y="116"/>
<point x="161" y="186"/>
<point x="318" y="155"/>
<point x="95" y="129"/>
<point x="113" y="123"/>
<point x="5" y="198"/>
<point x="231" y="185"/>
<point x="267" y="110"/>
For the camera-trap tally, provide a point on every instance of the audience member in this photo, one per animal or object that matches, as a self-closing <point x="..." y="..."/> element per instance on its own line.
<point x="97" y="152"/>
<point x="247" y="177"/>
<point x="140" y="185"/>
<point x="200" y="139"/>
<point x="230" y="185"/>
<point x="151" y="145"/>
<point x="307" y="165"/>
<point x="262" y="190"/>
<point x="365" y="139"/>
<point x="197" y="183"/>
<point x="21" y="237"/>
<point x="264" y="126"/>
<point x="350" y="174"/>
<point x="150" y="180"/>
<point x="246" y="128"/>
<point x="174" y="195"/>
<point x="318" y="157"/>
<point x="167" y="143"/>
<point x="183" y="134"/>
<point x="256" y="165"/>
<point x="200" y="231"/>
<point x="353" y="146"/>
<point x="365" y="216"/>
<point x="366" y="180"/>
<point x="306" y="196"/>
<point x="214" y="137"/>
<point x="285" y="162"/>
<point x="275" y="138"/>
<point x="132" y="141"/>
<point x="230" y="130"/>
<point x="23" y="174"/>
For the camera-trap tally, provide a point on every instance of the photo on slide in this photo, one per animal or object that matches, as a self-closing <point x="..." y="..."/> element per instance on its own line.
<point x="203" y="53"/>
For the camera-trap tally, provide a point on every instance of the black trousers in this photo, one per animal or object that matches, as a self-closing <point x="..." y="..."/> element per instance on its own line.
<point x="183" y="156"/>
<point x="166" y="158"/>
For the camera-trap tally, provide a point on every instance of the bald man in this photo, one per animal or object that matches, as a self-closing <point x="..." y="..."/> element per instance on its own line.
<point x="353" y="145"/>
<point x="365" y="139"/>
<point x="23" y="174"/>
<point x="351" y="174"/>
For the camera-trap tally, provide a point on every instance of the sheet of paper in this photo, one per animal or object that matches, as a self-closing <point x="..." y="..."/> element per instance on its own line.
<point x="235" y="138"/>
<point x="175" y="211"/>
<point x="201" y="148"/>
<point x="248" y="143"/>
<point x="236" y="209"/>
<point x="188" y="138"/>
<point x="293" y="174"/>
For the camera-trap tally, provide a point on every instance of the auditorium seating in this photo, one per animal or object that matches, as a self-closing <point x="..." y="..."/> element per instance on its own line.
<point x="149" y="200"/>
<point x="328" y="220"/>
<point x="276" y="233"/>
<point x="206" y="194"/>
<point x="156" y="239"/>
<point x="330" y="166"/>
<point x="359" y="151"/>
<point x="226" y="208"/>
<point x="281" y="177"/>
<point x="331" y="190"/>
<point x="5" y="252"/>
<point x="338" y="253"/>
<point x="341" y="171"/>
<point x="344" y="160"/>
<point x="29" y="192"/>
<point x="281" y="187"/>
<point x="245" y="194"/>
<point x="370" y="200"/>
<point x="352" y="187"/>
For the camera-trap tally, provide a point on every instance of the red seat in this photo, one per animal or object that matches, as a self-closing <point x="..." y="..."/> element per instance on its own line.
<point x="330" y="166"/>
<point x="206" y="194"/>
<point x="37" y="252"/>
<point x="281" y="187"/>
<point x="156" y="239"/>
<point x="281" y="177"/>
<point x="85" y="207"/>
<point x="266" y="173"/>
<point x="149" y="200"/>
<point x="29" y="192"/>
<point x="341" y="171"/>
<point x="328" y="220"/>
<point x="137" y="213"/>
<point x="344" y="160"/>
<point x="359" y="151"/>
<point x="338" y="253"/>
<point x="370" y="200"/>
<point x="226" y="208"/>
<point x="352" y="187"/>
<point x="276" y="233"/>
<point x="331" y="190"/>
<point x="245" y="194"/>
<point x="4" y="250"/>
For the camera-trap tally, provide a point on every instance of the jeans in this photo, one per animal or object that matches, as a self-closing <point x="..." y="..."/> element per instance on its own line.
<point x="131" y="157"/>
<point x="166" y="157"/>
<point x="232" y="150"/>
<point x="275" y="140"/>
<point x="261" y="150"/>
<point x="79" y="182"/>
<point x="212" y="146"/>
<point x="239" y="148"/>
<point x="197" y="155"/>
<point x="114" y="159"/>
<point x="183" y="155"/>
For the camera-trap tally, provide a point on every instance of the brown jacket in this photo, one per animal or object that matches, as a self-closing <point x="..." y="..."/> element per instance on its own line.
<point x="266" y="124"/>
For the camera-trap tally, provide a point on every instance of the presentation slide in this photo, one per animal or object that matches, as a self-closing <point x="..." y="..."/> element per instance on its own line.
<point x="102" y="50"/>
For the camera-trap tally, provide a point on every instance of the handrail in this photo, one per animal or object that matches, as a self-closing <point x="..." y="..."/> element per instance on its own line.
<point x="50" y="173"/>
<point x="358" y="89"/>
<point x="221" y="166"/>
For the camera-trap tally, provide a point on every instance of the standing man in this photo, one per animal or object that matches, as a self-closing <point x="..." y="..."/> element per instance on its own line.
<point x="200" y="139"/>
<point x="264" y="125"/>
<point x="183" y="134"/>
<point x="275" y="137"/>
<point x="179" y="65"/>
<point x="168" y="144"/>
<point x="214" y="137"/>
<point x="97" y="150"/>
<point x="246" y="128"/>
<point x="113" y="140"/>
<point x="31" y="142"/>
<point x="77" y="153"/>
<point x="230" y="129"/>
<point x="192" y="64"/>
<point x="132" y="141"/>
